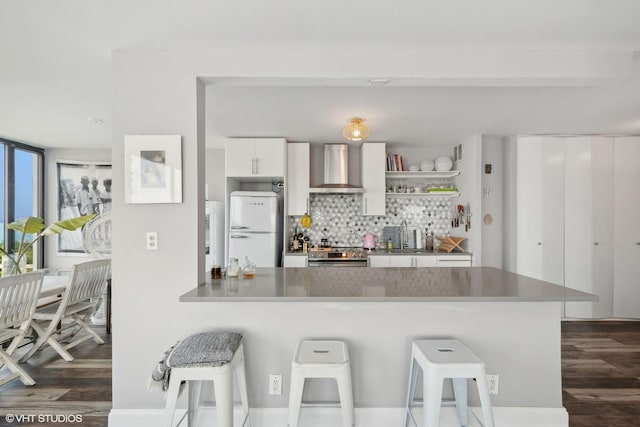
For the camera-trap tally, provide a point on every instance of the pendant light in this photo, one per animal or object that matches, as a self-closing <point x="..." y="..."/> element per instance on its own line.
<point x="356" y="130"/>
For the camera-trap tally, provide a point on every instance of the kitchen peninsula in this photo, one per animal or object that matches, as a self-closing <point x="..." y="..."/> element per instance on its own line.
<point x="512" y="322"/>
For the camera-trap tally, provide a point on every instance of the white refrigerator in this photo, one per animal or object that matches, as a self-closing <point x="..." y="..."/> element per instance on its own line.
<point x="214" y="233"/>
<point x="255" y="227"/>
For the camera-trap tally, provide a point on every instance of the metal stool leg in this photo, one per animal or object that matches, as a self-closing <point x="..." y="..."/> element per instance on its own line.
<point x="346" y="396"/>
<point x="195" y="388"/>
<point x="295" y="398"/>
<point x="413" y="378"/>
<point x="460" y="394"/>
<point x="432" y="386"/>
<point x="172" y="400"/>
<point x="223" y="387"/>
<point x="242" y="388"/>
<point x="485" y="401"/>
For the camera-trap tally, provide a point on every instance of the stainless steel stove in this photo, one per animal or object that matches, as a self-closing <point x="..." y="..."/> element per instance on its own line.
<point x="338" y="257"/>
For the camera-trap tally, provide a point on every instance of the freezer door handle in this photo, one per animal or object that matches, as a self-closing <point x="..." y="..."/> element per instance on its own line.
<point x="238" y="227"/>
<point x="238" y="237"/>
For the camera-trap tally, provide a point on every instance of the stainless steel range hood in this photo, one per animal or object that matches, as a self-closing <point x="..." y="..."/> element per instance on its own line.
<point x="336" y="171"/>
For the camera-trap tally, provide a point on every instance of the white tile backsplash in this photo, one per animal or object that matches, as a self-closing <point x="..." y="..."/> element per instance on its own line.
<point x="337" y="217"/>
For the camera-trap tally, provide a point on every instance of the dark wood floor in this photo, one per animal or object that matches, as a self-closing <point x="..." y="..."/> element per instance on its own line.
<point x="600" y="379"/>
<point x="63" y="389"/>
<point x="601" y="373"/>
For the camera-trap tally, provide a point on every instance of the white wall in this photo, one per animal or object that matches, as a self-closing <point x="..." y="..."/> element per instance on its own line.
<point x="52" y="259"/>
<point x="492" y="234"/>
<point x="215" y="174"/>
<point x="470" y="187"/>
<point x="159" y="93"/>
<point x="509" y="205"/>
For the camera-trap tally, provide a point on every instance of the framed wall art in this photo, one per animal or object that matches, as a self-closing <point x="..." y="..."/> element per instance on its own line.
<point x="153" y="169"/>
<point x="83" y="188"/>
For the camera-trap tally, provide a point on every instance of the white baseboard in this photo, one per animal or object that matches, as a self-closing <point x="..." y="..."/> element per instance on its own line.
<point x="365" y="417"/>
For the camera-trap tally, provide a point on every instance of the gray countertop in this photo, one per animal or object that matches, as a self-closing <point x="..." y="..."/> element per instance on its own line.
<point x="395" y="252"/>
<point x="417" y="252"/>
<point x="353" y="284"/>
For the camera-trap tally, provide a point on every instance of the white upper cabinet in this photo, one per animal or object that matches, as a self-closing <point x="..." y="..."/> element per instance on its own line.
<point x="255" y="157"/>
<point x="297" y="182"/>
<point x="373" y="164"/>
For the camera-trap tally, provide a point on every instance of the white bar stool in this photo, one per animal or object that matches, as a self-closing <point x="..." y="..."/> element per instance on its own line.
<point x="194" y="373"/>
<point x="321" y="359"/>
<point x="440" y="359"/>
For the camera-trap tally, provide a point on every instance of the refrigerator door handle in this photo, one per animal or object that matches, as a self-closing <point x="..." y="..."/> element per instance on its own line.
<point x="238" y="227"/>
<point x="238" y="237"/>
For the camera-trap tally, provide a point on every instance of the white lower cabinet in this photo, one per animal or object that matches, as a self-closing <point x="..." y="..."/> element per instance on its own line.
<point x="453" y="261"/>
<point x="294" y="261"/>
<point x="378" y="260"/>
<point x="462" y="260"/>
<point x="425" y="261"/>
<point x="401" y="261"/>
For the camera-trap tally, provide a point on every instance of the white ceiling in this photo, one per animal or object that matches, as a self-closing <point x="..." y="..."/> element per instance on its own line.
<point x="55" y="66"/>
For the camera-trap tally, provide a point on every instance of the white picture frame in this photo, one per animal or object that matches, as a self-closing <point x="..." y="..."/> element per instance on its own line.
<point x="84" y="187"/>
<point x="153" y="169"/>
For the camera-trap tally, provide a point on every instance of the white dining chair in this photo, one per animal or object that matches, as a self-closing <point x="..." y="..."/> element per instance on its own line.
<point x="18" y="299"/>
<point x="65" y="319"/>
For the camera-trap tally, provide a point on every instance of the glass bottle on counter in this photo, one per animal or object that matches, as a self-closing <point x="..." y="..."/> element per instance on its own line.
<point x="305" y="243"/>
<point x="429" y="242"/>
<point x="233" y="268"/>
<point x="295" y="243"/>
<point x="299" y="238"/>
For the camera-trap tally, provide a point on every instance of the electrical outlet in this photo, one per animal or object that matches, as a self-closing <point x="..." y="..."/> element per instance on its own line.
<point x="275" y="384"/>
<point x="152" y="240"/>
<point x="493" y="380"/>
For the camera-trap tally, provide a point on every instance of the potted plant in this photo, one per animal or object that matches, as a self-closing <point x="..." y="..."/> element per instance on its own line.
<point x="35" y="226"/>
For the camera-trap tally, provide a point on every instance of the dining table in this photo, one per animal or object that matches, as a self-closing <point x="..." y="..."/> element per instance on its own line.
<point x="55" y="285"/>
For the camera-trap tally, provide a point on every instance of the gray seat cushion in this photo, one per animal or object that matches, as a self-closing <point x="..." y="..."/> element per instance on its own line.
<point x="214" y="348"/>
<point x="204" y="349"/>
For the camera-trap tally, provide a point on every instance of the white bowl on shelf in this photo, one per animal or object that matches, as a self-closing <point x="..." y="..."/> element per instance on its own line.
<point x="426" y="166"/>
<point x="413" y="168"/>
<point x="443" y="164"/>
